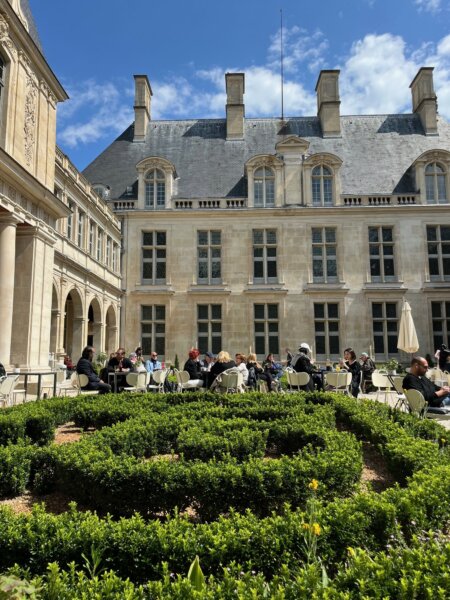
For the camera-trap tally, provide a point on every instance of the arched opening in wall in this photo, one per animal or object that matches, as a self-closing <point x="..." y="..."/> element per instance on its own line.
<point x="94" y="331"/>
<point x="110" y="331"/>
<point x="73" y="325"/>
<point x="54" y="322"/>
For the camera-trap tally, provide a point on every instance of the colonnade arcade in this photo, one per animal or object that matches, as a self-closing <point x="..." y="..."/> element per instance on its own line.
<point x="79" y="319"/>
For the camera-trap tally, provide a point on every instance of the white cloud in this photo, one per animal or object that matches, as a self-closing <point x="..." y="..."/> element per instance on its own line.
<point x="298" y="47"/>
<point x="432" y="6"/>
<point x="93" y="111"/>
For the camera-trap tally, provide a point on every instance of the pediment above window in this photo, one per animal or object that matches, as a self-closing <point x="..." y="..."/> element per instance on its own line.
<point x="434" y="155"/>
<point x="263" y="160"/>
<point x="294" y="144"/>
<point x="324" y="158"/>
<point x="156" y="162"/>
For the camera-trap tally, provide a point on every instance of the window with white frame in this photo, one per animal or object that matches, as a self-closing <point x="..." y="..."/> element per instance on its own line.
<point x="115" y="256"/>
<point x="266" y="328"/>
<point x="153" y="257"/>
<point x="70" y="221"/>
<point x="265" y="256"/>
<point x="435" y="183"/>
<point x="326" y="328"/>
<point x="322" y="186"/>
<point x="209" y="254"/>
<point x="209" y="328"/>
<point x="91" y="237"/>
<point x="440" y="315"/>
<point x="155" y="189"/>
<point x="108" y="251"/>
<point x="99" y="245"/>
<point x="381" y="251"/>
<point x="438" y="242"/>
<point x="153" y="329"/>
<point x="324" y="254"/>
<point x="385" y="327"/>
<point x="80" y="236"/>
<point x="264" y="187"/>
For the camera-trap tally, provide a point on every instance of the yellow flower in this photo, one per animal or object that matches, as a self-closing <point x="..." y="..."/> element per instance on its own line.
<point x="316" y="528"/>
<point x="351" y="552"/>
<point x="305" y="526"/>
<point x="314" y="485"/>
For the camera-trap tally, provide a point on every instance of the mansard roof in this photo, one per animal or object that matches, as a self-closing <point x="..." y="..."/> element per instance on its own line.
<point x="25" y="6"/>
<point x="377" y="152"/>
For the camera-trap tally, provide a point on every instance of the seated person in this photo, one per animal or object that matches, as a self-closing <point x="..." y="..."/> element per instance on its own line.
<point x="241" y="360"/>
<point x="301" y="363"/>
<point x="192" y="366"/>
<point x="84" y="367"/>
<point x="416" y="380"/>
<point x="223" y="362"/>
<point x="121" y="364"/>
<point x="274" y="369"/>
<point x="256" y="372"/>
<point x="367" y="367"/>
<point x="153" y="363"/>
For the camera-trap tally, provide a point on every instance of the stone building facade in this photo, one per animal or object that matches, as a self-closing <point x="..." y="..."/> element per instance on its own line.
<point x="55" y="294"/>
<point x="261" y="233"/>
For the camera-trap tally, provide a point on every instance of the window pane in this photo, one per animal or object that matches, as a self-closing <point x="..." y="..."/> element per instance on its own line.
<point x="216" y="238"/>
<point x="147" y="270"/>
<point x="319" y="311"/>
<point x="258" y="272"/>
<point x="377" y="310"/>
<point x="272" y="269"/>
<point x="320" y="344"/>
<point x="330" y="235"/>
<point x="216" y="311"/>
<point x="387" y="235"/>
<point x="259" y="345"/>
<point x="272" y="311"/>
<point x="160" y="270"/>
<point x="258" y="236"/>
<point x="202" y="311"/>
<point x="316" y="236"/>
<point x="391" y="310"/>
<point x="202" y="237"/>
<point x="259" y="311"/>
<point x="160" y="312"/>
<point x="147" y="238"/>
<point x="333" y="312"/>
<point x="431" y="233"/>
<point x="436" y="309"/>
<point x="445" y="233"/>
<point x="216" y="327"/>
<point x="160" y="238"/>
<point x="259" y="327"/>
<point x="146" y="313"/>
<point x="334" y="344"/>
<point x="373" y="234"/>
<point x="271" y="236"/>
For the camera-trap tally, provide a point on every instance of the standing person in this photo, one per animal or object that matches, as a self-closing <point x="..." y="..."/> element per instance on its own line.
<point x="84" y="367"/>
<point x="153" y="363"/>
<point x="301" y="363"/>
<point x="352" y="365"/>
<point x="416" y="380"/>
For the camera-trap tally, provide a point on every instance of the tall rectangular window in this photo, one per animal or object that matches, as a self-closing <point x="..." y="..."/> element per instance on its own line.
<point x="108" y="251"/>
<point x="91" y="237"/>
<point x="324" y="254"/>
<point x="266" y="329"/>
<point x="385" y="327"/>
<point x="381" y="250"/>
<point x="265" y="256"/>
<point x="70" y="221"/>
<point x="209" y="253"/>
<point x="99" y="245"/>
<point x="80" y="236"/>
<point x="153" y="329"/>
<point x="209" y="327"/>
<point x="438" y="240"/>
<point x="153" y="257"/>
<point x="440" y="315"/>
<point x="326" y="328"/>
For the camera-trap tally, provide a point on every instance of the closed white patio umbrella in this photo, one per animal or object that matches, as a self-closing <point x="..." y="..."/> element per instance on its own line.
<point x="407" y="336"/>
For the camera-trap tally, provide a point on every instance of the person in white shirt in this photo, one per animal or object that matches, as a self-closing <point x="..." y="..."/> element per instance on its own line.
<point x="241" y="365"/>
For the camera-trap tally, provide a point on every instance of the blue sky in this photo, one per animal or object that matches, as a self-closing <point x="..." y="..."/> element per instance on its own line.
<point x="186" y="46"/>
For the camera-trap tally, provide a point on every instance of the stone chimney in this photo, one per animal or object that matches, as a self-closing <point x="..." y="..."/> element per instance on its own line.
<point x="235" y="85"/>
<point x="142" y="103"/>
<point x="328" y="103"/>
<point x="424" y="99"/>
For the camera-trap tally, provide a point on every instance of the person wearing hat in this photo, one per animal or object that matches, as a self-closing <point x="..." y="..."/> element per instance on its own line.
<point x="367" y="367"/>
<point x="301" y="363"/>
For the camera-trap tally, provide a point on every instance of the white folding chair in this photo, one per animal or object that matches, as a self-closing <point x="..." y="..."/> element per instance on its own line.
<point x="81" y="380"/>
<point x="136" y="382"/>
<point x="9" y="392"/>
<point x="297" y="380"/>
<point x="232" y="382"/>
<point x="339" y="382"/>
<point x="184" y="382"/>
<point x="382" y="383"/>
<point x="401" y="398"/>
<point x="416" y="403"/>
<point x="159" y="377"/>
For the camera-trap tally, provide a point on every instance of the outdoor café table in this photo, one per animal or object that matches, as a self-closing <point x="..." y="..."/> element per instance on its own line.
<point x="26" y="375"/>
<point x="112" y="378"/>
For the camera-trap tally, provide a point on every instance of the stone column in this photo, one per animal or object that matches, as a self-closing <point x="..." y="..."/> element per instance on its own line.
<point x="8" y="225"/>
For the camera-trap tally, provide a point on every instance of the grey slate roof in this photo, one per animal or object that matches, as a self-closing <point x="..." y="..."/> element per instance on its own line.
<point x="25" y="6"/>
<point x="377" y="152"/>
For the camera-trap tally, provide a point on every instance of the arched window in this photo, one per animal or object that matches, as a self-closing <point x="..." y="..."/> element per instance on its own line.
<point x="322" y="186"/>
<point x="264" y="186"/>
<point x="155" y="189"/>
<point x="435" y="183"/>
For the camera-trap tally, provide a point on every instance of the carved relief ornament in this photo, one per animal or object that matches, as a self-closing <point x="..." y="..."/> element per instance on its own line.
<point x="30" y="119"/>
<point x="5" y="39"/>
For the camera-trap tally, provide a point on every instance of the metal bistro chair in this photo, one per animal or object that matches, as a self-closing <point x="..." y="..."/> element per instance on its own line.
<point x="416" y="403"/>
<point x="402" y="403"/>
<point x="382" y="383"/>
<point x="159" y="377"/>
<point x="136" y="382"/>
<point x="231" y="382"/>
<point x="339" y="382"/>
<point x="80" y="381"/>
<point x="8" y="391"/>
<point x="184" y="383"/>
<point x="297" y="380"/>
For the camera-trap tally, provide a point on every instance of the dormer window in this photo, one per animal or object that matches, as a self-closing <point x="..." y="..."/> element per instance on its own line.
<point x="264" y="187"/>
<point x="322" y="186"/>
<point x="435" y="183"/>
<point x="103" y="191"/>
<point x="155" y="189"/>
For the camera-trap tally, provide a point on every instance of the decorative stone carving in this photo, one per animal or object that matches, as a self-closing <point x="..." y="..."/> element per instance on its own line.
<point x="5" y="39"/>
<point x="30" y="120"/>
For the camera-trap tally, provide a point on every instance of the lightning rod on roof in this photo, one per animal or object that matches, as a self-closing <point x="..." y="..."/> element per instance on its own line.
<point x="281" y="63"/>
